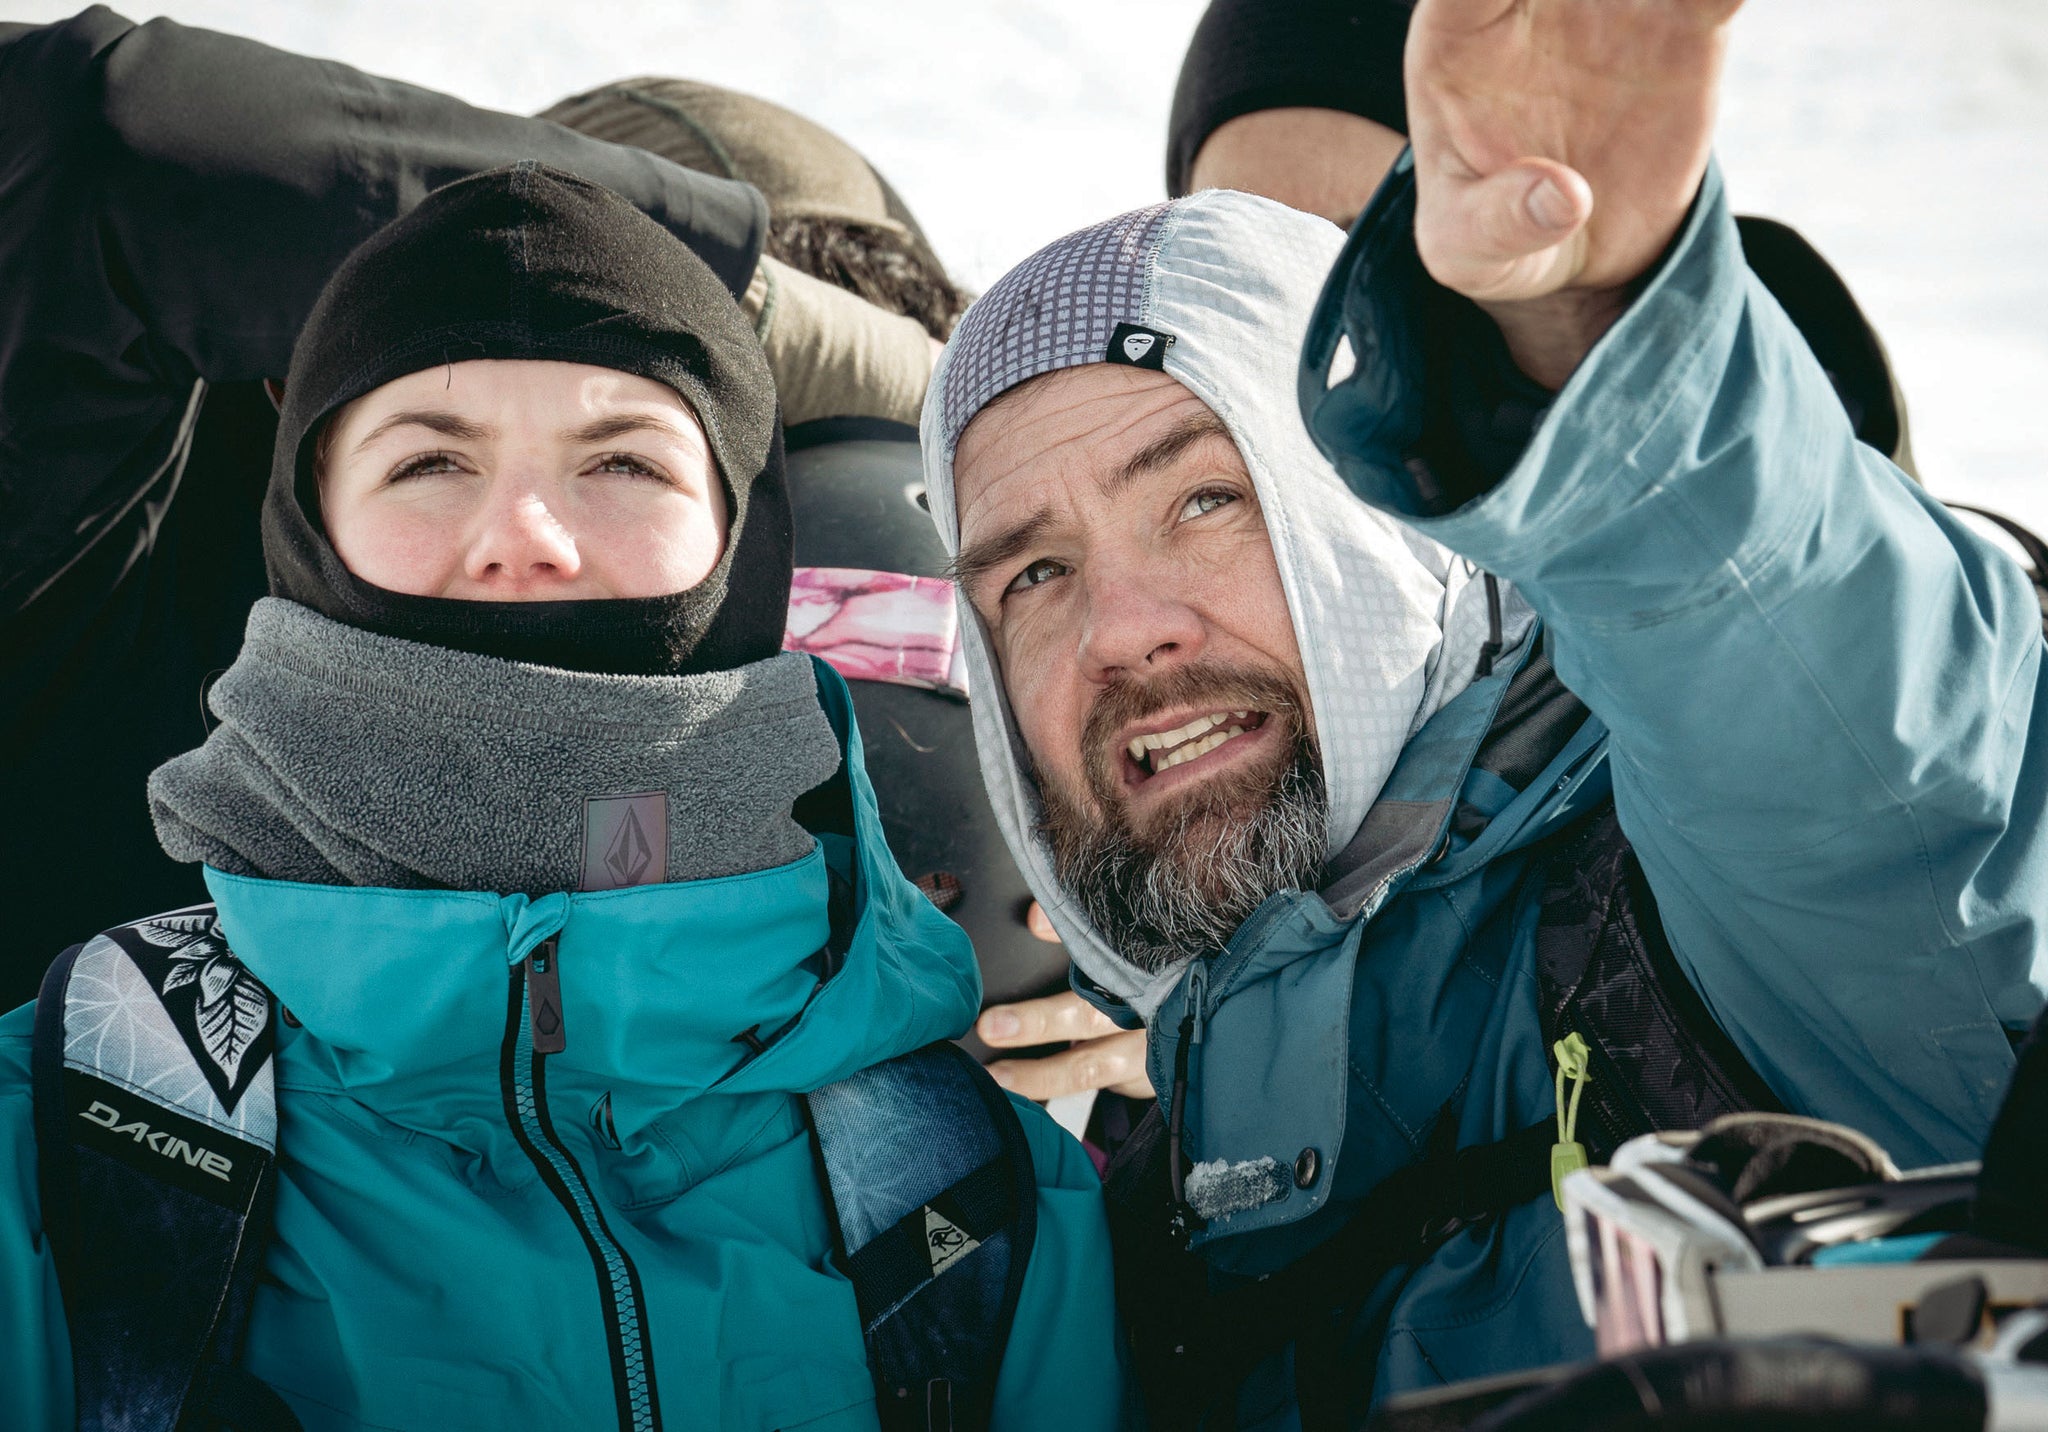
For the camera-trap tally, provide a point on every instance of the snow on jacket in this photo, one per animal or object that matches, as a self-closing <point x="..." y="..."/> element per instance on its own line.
<point x="423" y="1278"/>
<point x="1812" y="692"/>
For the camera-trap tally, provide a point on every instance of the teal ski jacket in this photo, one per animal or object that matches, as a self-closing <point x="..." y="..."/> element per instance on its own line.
<point x="423" y="1278"/>
<point x="1812" y="695"/>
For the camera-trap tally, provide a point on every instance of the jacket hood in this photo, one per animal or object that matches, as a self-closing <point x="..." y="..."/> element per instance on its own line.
<point x="401" y="995"/>
<point x="1389" y="623"/>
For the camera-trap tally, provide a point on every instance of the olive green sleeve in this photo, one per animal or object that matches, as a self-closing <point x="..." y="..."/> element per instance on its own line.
<point x="835" y="355"/>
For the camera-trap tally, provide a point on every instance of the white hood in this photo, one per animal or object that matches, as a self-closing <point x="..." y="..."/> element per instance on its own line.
<point x="1389" y="622"/>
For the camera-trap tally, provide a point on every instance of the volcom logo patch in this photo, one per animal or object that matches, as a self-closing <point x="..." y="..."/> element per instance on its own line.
<point x="160" y="1141"/>
<point x="1136" y="347"/>
<point x="603" y="1123"/>
<point x="625" y="840"/>
<point x="945" y="1242"/>
<point x="629" y="856"/>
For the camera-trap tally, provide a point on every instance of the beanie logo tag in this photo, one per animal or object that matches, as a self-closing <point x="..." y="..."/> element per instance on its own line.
<point x="1137" y="347"/>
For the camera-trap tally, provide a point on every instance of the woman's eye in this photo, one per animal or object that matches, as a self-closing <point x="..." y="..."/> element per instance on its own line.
<point x="1043" y="570"/>
<point x="626" y="462"/>
<point x="1206" y="501"/>
<point x="423" y="464"/>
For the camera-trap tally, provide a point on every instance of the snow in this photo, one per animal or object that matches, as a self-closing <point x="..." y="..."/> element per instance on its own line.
<point x="1905" y="138"/>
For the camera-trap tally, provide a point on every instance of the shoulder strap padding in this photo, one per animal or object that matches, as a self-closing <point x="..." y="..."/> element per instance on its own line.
<point x="930" y="1177"/>
<point x="156" y="1132"/>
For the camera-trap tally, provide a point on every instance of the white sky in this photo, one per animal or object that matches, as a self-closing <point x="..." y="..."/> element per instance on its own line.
<point x="1906" y="138"/>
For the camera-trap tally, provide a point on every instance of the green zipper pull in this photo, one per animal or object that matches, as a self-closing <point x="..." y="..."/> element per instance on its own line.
<point x="1568" y="1155"/>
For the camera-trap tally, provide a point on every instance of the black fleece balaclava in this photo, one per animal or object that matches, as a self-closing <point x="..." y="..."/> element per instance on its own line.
<point x="529" y="262"/>
<point x="1249" y="55"/>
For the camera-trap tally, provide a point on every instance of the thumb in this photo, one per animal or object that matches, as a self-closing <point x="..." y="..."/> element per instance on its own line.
<point x="1500" y="236"/>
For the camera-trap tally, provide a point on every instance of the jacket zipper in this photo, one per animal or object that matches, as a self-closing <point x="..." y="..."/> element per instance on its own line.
<point x="1183" y="1220"/>
<point x="533" y="1030"/>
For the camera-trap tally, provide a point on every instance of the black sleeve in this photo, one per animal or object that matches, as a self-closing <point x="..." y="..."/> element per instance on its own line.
<point x="172" y="201"/>
<point x="1480" y="411"/>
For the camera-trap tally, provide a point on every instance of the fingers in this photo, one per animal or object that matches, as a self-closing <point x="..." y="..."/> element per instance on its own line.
<point x="1505" y="236"/>
<point x="1053" y="1020"/>
<point x="1115" y="1063"/>
<point x="1040" y="924"/>
<point x="1102" y="1055"/>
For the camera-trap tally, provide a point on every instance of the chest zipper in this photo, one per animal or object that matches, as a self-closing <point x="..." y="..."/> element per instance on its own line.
<point x="534" y="1029"/>
<point x="1184" y="1222"/>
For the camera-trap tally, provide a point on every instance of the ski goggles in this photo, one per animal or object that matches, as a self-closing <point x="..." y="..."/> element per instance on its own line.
<point x="1645" y="1251"/>
<point x="1655" y="1261"/>
<point x="878" y="626"/>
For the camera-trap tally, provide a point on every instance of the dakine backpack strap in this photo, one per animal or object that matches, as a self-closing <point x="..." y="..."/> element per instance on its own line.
<point x="930" y="1177"/>
<point x="156" y="1133"/>
<point x="1605" y="971"/>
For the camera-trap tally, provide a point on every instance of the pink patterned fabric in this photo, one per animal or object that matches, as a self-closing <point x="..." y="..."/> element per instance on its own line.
<point x="878" y="626"/>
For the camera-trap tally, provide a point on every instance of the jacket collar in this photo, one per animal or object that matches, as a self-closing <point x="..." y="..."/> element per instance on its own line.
<point x="402" y="995"/>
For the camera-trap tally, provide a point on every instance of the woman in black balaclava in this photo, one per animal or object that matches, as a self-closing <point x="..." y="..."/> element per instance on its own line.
<point x="503" y="813"/>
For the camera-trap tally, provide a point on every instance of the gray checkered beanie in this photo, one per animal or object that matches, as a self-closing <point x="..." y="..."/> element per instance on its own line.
<point x="1057" y="309"/>
<point x="1215" y="290"/>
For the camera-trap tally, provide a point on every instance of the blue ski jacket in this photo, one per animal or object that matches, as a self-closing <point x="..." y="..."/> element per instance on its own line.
<point x="1812" y="692"/>
<point x="422" y="1277"/>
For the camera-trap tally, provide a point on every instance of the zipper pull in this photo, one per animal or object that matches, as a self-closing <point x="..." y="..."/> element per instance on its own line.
<point x="1196" y="998"/>
<point x="544" y="1000"/>
<point x="1568" y="1155"/>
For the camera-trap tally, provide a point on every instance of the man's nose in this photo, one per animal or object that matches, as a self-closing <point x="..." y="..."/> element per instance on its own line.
<point x="1139" y="622"/>
<point x="520" y="541"/>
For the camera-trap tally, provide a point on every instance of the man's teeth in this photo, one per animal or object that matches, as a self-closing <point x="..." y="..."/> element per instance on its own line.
<point x="1182" y="740"/>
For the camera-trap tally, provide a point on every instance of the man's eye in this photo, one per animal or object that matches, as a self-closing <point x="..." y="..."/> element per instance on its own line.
<point x="1043" y="570"/>
<point x="423" y="464"/>
<point x="1206" y="501"/>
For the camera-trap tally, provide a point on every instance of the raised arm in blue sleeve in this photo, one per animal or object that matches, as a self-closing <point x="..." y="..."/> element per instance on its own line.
<point x="1819" y="686"/>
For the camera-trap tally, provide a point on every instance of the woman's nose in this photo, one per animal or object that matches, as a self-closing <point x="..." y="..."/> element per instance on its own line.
<point x="520" y="542"/>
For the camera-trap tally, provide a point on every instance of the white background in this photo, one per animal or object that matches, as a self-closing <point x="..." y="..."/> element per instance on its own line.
<point x="1908" y="139"/>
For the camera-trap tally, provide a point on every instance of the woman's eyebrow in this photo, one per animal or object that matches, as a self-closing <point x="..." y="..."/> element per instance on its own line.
<point x="604" y="430"/>
<point x="439" y="420"/>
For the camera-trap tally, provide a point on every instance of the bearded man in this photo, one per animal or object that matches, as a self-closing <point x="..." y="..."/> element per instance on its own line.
<point x="1572" y="669"/>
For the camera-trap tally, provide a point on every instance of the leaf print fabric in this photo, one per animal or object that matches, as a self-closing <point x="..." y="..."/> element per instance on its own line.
<point x="231" y="1009"/>
<point x="218" y="1010"/>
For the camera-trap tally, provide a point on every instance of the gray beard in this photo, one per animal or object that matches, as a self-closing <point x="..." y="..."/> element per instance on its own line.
<point x="1184" y="889"/>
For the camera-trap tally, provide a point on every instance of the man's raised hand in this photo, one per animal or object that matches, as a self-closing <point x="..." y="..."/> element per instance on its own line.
<point x="1558" y="146"/>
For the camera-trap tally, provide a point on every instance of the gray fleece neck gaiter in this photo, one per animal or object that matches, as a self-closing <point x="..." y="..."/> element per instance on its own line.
<point x="348" y="758"/>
